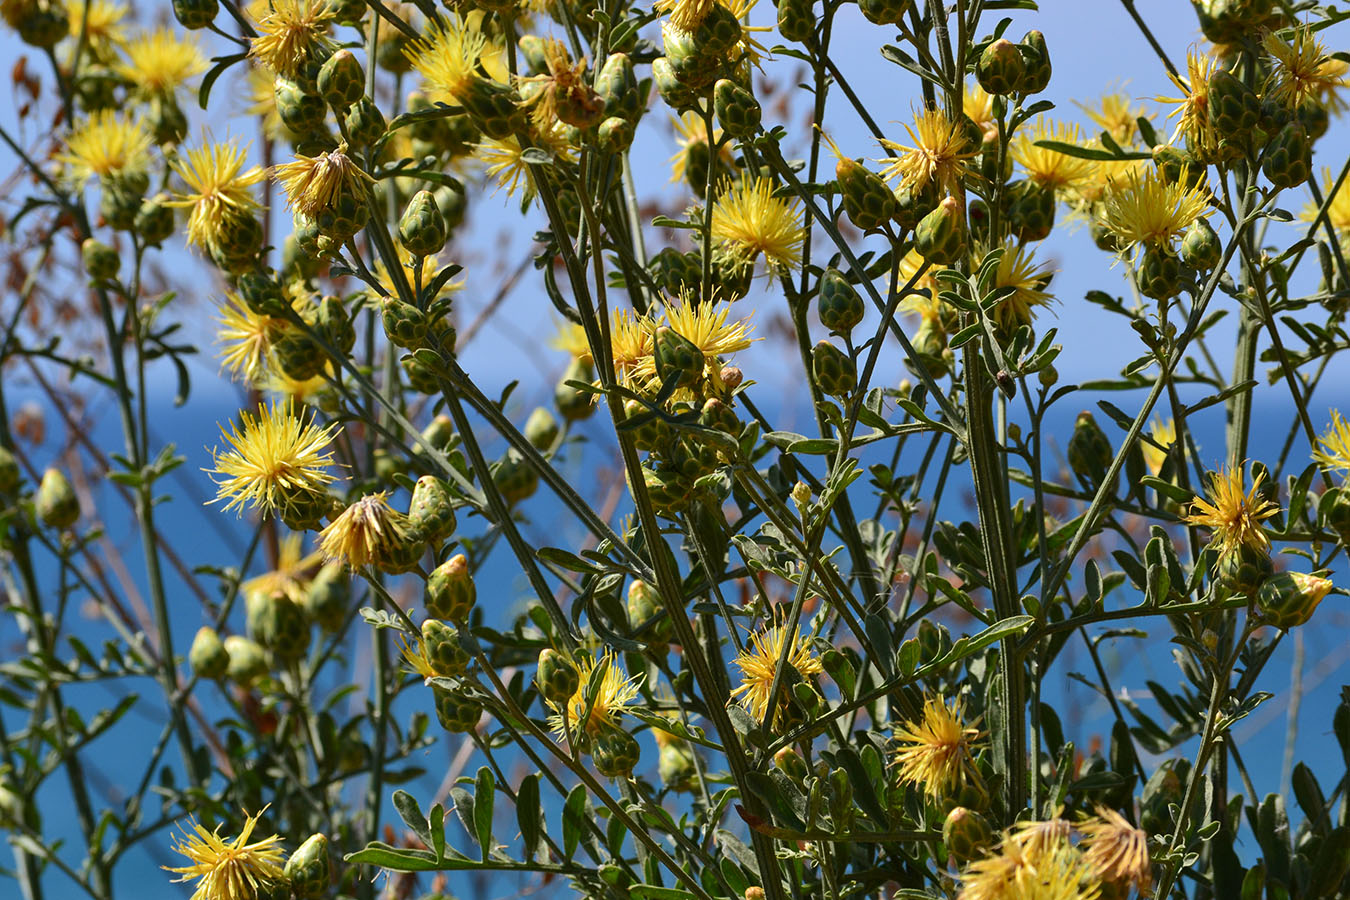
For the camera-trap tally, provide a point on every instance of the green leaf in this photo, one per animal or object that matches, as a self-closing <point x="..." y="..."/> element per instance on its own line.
<point x="396" y="859"/>
<point x="652" y="892"/>
<point x="574" y="815"/>
<point x="437" y="822"/>
<point x="484" y="797"/>
<point x="969" y="646"/>
<point x="209" y="79"/>
<point x="529" y="815"/>
<point x="1090" y="152"/>
<point x="411" y="814"/>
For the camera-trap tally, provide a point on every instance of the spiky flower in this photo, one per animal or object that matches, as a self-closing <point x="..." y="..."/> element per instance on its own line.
<point x="938" y="155"/>
<point x="1057" y="871"/>
<point x="274" y="454"/>
<point x="1049" y="168"/>
<point x="1115" y="851"/>
<point x="614" y="692"/>
<point x="239" y="869"/>
<point x="1332" y="452"/>
<point x="1338" y="204"/>
<point x="702" y="324"/>
<point x="1233" y="515"/>
<point x="1145" y="209"/>
<point x="1026" y="279"/>
<point x="261" y="97"/>
<point x="692" y="139"/>
<point x="413" y="652"/>
<point x="246" y="339"/>
<point x="1302" y="69"/>
<point x="368" y="531"/>
<point x="292" y="573"/>
<point x="749" y="221"/>
<point x="159" y="61"/>
<point x="1192" y="107"/>
<point x="630" y="342"/>
<point x="686" y="15"/>
<point x="1115" y="114"/>
<point x="503" y="160"/>
<point x="291" y="33"/>
<point x="935" y="751"/>
<point x="759" y="660"/>
<point x="447" y="57"/>
<point x="314" y="183"/>
<point x="218" y="189"/>
<point x="101" y="23"/>
<point x="107" y="145"/>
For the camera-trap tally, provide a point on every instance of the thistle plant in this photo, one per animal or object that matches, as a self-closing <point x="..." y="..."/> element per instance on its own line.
<point x="630" y="631"/>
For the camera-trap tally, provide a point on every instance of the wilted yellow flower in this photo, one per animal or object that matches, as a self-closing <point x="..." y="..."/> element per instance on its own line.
<point x="1115" y="114"/>
<point x="274" y="455"/>
<point x="941" y="148"/>
<point x="367" y="532"/>
<point x="229" y="870"/>
<point x="1232" y="514"/>
<point x="1116" y="852"/>
<point x="749" y="221"/>
<point x="447" y="56"/>
<point x="291" y="33"/>
<point x="218" y="189"/>
<point x="1338" y="209"/>
<point x="414" y="655"/>
<point x="292" y="574"/>
<point x="1026" y="278"/>
<point x="1049" y="168"/>
<point x="616" y="691"/>
<point x="107" y="144"/>
<point x="1302" y="69"/>
<point x="314" y="183"/>
<point x="759" y="661"/>
<point x="1145" y="209"/>
<point x="103" y="33"/>
<point x="1164" y="432"/>
<point x="1192" y="107"/>
<point x="1333" y="447"/>
<point x="935" y="751"/>
<point x="159" y="61"/>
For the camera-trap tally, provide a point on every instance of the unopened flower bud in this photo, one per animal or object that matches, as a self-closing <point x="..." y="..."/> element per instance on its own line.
<point x="422" y="228"/>
<point x="101" y="262"/>
<point x="737" y="109"/>
<point x="309" y="871"/>
<point x="208" y="656"/>
<point x="541" y="429"/>
<point x="1288" y="158"/>
<point x="440" y="643"/>
<point x="868" y="202"/>
<point x="56" y="503"/>
<point x="195" y="14"/>
<point x="450" y="590"/>
<point x="1201" y="248"/>
<point x="966" y="834"/>
<point x="431" y="511"/>
<point x="341" y="80"/>
<point x="940" y="237"/>
<point x="1089" y="450"/>
<point x="556" y="677"/>
<point x="1000" y="67"/>
<point x="834" y="370"/>
<point x="247" y="660"/>
<point x="1288" y="599"/>
<point x="1036" y="68"/>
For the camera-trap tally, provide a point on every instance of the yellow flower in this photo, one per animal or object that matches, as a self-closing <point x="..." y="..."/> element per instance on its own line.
<point x="314" y="184"/>
<point x="246" y="339"/>
<point x="691" y="136"/>
<point x="935" y="751"/>
<point x="759" y="661"/>
<point x="1115" y="115"/>
<point x="749" y="221"/>
<point x="702" y="324"/>
<point x="229" y="870"/>
<point x="615" y="691"/>
<point x="293" y="572"/>
<point x="938" y="156"/>
<point x="414" y="655"/>
<point x="262" y="102"/>
<point x="1026" y="278"/>
<point x="366" y="532"/>
<point x="107" y="145"/>
<point x="503" y="157"/>
<point x="1338" y="208"/>
<point x="571" y="339"/>
<point x="1057" y="871"/>
<point x="1192" y="107"/>
<point x="1145" y="209"/>
<point x="1302" y="68"/>
<point x="218" y="189"/>
<point x="978" y="103"/>
<point x="1116" y="852"/>
<point x="1051" y="169"/>
<point x="1164" y="432"/>
<point x="1333" y="447"/>
<point x="447" y="57"/>
<point x="910" y="264"/>
<point x="275" y="455"/>
<point x="291" y="33"/>
<point x="429" y="265"/>
<point x="1234" y="515"/>
<point x="104" y="33"/>
<point x="630" y="342"/>
<point x="159" y="61"/>
<point x="686" y="15"/>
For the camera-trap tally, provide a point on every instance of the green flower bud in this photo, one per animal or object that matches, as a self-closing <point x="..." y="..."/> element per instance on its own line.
<point x="1159" y="273"/>
<point x="277" y="623"/>
<point x="168" y="122"/>
<point x="835" y="372"/>
<point x="327" y="600"/>
<point x="301" y="111"/>
<point x="615" y="135"/>
<point x="248" y="660"/>
<point x="790" y="762"/>
<point x="365" y="123"/>
<point x="262" y="294"/>
<point x="677" y="357"/>
<point x="696" y="66"/>
<point x="44" y="22"/>
<point x="651" y="434"/>
<point x="883" y="12"/>
<point x="669" y="490"/>
<point x="617" y="86"/>
<point x="673" y="91"/>
<point x="101" y="262"/>
<point x="966" y="834"/>
<point x="438" y="433"/>
<point x="450" y="590"/>
<point x="614" y="751"/>
<point x="331" y="320"/>
<point x="154" y="221"/>
<point x="646" y="616"/>
<point x="208" y="656"/>
<point x="676" y="764"/>
<point x="574" y="403"/>
<point x="421" y="229"/>
<point x="120" y="200"/>
<point x="404" y="324"/>
<point x="431" y="511"/>
<point x="940" y="237"/>
<point x="195" y="14"/>
<point x="839" y="306"/>
<point x="1103" y="237"/>
<point x="1288" y="158"/>
<point x="515" y="478"/>
<point x="673" y="270"/>
<point x="557" y="678"/>
<point x="302" y="510"/>
<point x="494" y="108"/>
<point x="1036" y="68"/>
<point x="96" y="88"/>
<point x="532" y="51"/>
<point x="1000" y="67"/>
<point x="1089" y="450"/>
<point x="868" y="202"/>
<point x="1288" y="599"/>
<point x="298" y="354"/>
<point x="796" y="20"/>
<point x="342" y="81"/>
<point x="1313" y="116"/>
<point x="1201" y="248"/>
<point x="348" y="12"/>
<point x="440" y="642"/>
<point x="343" y="218"/>
<point x="1234" y="108"/>
<point x="719" y="32"/>
<point x="541" y="429"/>
<point x="1244" y="569"/>
<point x="1031" y="210"/>
<point x="457" y="713"/>
<point x="1174" y="163"/>
<point x="10" y="475"/>
<point x="309" y="871"/>
<point x="56" y="503"/>
<point x="930" y="342"/>
<point x="912" y="205"/>
<point x="737" y="109"/>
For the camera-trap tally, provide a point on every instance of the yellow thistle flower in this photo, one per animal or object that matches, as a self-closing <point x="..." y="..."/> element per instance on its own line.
<point x="935" y="751"/>
<point x="1145" y="209"/>
<point x="1115" y="114"/>
<point x="1036" y="838"/>
<point x="1116" y="852"/>
<point x="691" y="137"/>
<point x="107" y="145"/>
<point x="1302" y="69"/>
<point x="1027" y="279"/>
<point x="291" y="32"/>
<point x="749" y="221"/>
<point x="293" y="572"/>
<point x="502" y="157"/>
<point x="938" y="156"/>
<point x="275" y="454"/>
<point x="414" y="655"/>
<point x="616" y="691"/>
<point x="910" y="264"/>
<point x="218" y="186"/>
<point x="279" y="383"/>
<point x="429" y="266"/>
<point x="630" y="342"/>
<point x="686" y="15"/>
<point x="1192" y="107"/>
<point x="1051" y="169"/>
<point x="1338" y="209"/>
<point x="748" y="49"/>
<point x="246" y="339"/>
<point x="1164" y="432"/>
<point x="447" y="57"/>
<point x="159" y="61"/>
<point x="1056" y="872"/>
<point x="103" y="34"/>
<point x="1232" y="514"/>
<point x="978" y="104"/>
<point x="240" y="869"/>
<point x="1332" y="452"/>
<point x="314" y="183"/>
<point x="1084" y="196"/>
<point x="365" y="533"/>
<point x="759" y="661"/>
<point x="571" y="339"/>
<point x="702" y="324"/>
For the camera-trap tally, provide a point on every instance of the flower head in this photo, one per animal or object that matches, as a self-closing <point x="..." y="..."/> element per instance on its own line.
<point x="448" y="56"/>
<point x="749" y="221"/>
<point x="274" y="455"/>
<point x="291" y="33"/>
<point x="218" y="189"/>
<point x="503" y="157"/>
<point x="978" y="104"/>
<point x="938" y="155"/>
<point x="261" y="96"/>
<point x="691" y="137"/>
<point x="1026" y="279"/>
<point x="631" y="342"/>
<point x="1116" y="852"/>
<point x="759" y="661"/>
<point x="686" y="15"/>
<point x="1115" y="114"/>
<point x="314" y="183"/>
<point x="107" y="145"/>
<point x="614" y="691"/>
<point x="1164" y="434"/>
<point x="101" y="23"/>
<point x="246" y="339"/>
<point x="936" y="750"/>
<point x="1145" y="209"/>
<point x="1056" y="870"/>
<point x="702" y="324"/>
<point x="1051" y="169"/>
<point x="368" y="531"/>
<point x="1192" y="107"/>
<point x="1302" y="69"/>
<point x="413" y="652"/>
<point x="293" y="572"/>
<point x="240" y="869"/>
<point x="1332" y="452"/>
<point x="159" y="61"/>
<point x="1232" y="514"/>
